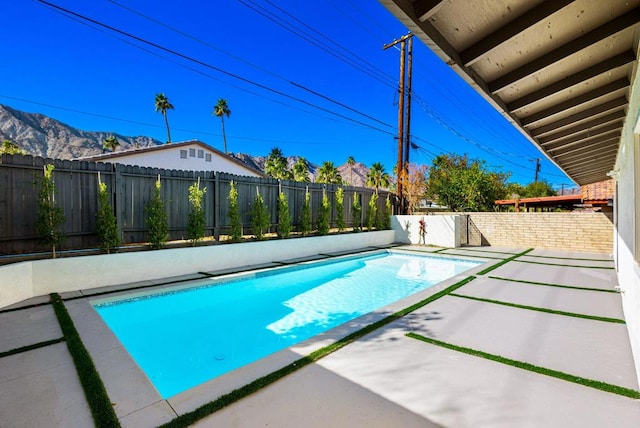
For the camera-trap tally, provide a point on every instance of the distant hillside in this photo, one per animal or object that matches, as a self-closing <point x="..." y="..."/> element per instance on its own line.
<point x="40" y="135"/>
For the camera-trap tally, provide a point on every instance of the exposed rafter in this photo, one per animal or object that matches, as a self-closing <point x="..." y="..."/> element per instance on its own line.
<point x="426" y="8"/>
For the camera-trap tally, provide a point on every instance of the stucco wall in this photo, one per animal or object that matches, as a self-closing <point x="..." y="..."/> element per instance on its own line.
<point x="442" y="230"/>
<point x="21" y="281"/>
<point x="587" y="232"/>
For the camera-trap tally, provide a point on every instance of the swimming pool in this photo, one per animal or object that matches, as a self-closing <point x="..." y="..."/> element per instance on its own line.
<point x="184" y="336"/>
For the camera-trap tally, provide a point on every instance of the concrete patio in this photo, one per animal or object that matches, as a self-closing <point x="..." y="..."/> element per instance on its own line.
<point x="384" y="378"/>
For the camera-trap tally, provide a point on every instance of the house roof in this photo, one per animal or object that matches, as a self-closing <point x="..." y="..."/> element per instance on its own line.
<point x="559" y="71"/>
<point x="172" y="146"/>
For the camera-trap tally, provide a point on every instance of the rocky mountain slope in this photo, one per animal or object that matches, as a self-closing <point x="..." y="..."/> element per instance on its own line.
<point x="40" y="135"/>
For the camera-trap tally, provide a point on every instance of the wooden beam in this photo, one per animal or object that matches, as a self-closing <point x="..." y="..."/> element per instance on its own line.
<point x="587" y="134"/>
<point x="513" y="28"/>
<point x="576" y="101"/>
<point x="612" y="27"/>
<point x="605" y="66"/>
<point x="425" y="9"/>
<point x="602" y="154"/>
<point x="590" y="148"/>
<point x="585" y="114"/>
<point x="589" y="125"/>
<point x="591" y="140"/>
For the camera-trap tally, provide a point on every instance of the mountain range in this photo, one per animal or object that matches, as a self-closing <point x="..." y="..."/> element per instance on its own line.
<point x="41" y="135"/>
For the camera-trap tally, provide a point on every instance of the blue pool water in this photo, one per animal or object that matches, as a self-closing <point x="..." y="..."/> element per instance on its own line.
<point x="186" y="336"/>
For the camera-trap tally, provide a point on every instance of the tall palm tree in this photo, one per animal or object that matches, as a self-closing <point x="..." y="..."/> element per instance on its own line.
<point x="162" y="105"/>
<point x="110" y="143"/>
<point x="377" y="177"/>
<point x="301" y="170"/>
<point x="329" y="174"/>
<point x="221" y="109"/>
<point x="351" y="162"/>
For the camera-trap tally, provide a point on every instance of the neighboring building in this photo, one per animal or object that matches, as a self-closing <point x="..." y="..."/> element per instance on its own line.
<point x="187" y="155"/>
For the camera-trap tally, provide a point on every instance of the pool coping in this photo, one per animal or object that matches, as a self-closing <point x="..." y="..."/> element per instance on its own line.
<point x="151" y="406"/>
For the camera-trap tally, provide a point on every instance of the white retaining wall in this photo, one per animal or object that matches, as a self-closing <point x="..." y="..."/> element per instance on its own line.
<point x="442" y="230"/>
<point x="24" y="280"/>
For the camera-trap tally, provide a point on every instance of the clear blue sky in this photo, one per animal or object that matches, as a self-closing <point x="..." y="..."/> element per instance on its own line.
<point x="95" y="79"/>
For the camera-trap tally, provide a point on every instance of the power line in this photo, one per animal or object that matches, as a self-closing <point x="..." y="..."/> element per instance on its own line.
<point x="204" y="64"/>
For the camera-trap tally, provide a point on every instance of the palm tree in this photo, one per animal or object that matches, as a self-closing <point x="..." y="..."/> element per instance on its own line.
<point x="377" y="177"/>
<point x="221" y="109"/>
<point x="276" y="165"/>
<point x="351" y="162"/>
<point x="110" y="143"/>
<point x="329" y="174"/>
<point x="162" y="105"/>
<point x="301" y="170"/>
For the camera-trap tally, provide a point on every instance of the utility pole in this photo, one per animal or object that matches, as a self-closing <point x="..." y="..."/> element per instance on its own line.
<point x="537" y="168"/>
<point x="400" y="166"/>
<point x="407" y="125"/>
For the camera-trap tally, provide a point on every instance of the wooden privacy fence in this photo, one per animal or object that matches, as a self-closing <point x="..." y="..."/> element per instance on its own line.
<point x="131" y="188"/>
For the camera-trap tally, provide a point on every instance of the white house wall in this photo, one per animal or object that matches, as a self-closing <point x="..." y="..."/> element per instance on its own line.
<point x="169" y="158"/>
<point x="627" y="219"/>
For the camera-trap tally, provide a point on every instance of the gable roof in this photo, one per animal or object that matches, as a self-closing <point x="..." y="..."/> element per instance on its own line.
<point x="163" y="147"/>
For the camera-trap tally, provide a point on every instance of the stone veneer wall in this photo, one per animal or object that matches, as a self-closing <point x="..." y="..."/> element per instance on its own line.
<point x="571" y="231"/>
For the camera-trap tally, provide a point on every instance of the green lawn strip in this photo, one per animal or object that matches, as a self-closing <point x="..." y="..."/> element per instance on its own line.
<point x="205" y="410"/>
<point x="563" y="265"/>
<point x="534" y="308"/>
<point x="30" y="347"/>
<point x="548" y="284"/>
<point x="94" y="391"/>
<point x="505" y="261"/>
<point x="603" y="386"/>
<point x="571" y="258"/>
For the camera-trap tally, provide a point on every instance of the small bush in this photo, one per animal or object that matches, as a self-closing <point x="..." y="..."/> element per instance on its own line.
<point x="157" y="223"/>
<point x="234" y="214"/>
<point x="305" y="220"/>
<point x="284" y="218"/>
<point x="260" y="219"/>
<point x="340" y="209"/>
<point x="106" y="226"/>
<point x="324" y="215"/>
<point x="372" y="212"/>
<point x="196" y="221"/>
<point x="50" y="216"/>
<point x="356" y="212"/>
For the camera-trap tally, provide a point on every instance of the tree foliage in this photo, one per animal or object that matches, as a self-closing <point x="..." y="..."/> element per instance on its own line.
<point x="350" y="163"/>
<point x="276" y="165"/>
<point x="328" y="174"/>
<point x="414" y="185"/>
<point x="162" y="105"/>
<point x="110" y="143"/>
<point x="50" y="216"/>
<point x="372" y="212"/>
<point x="305" y="216"/>
<point x="356" y="213"/>
<point x="284" y="218"/>
<point x="463" y="184"/>
<point x="157" y="222"/>
<point x="221" y="109"/>
<point x="234" y="214"/>
<point x="260" y="219"/>
<point x="10" y="148"/>
<point x="535" y="189"/>
<point x="377" y="177"/>
<point x="196" y="220"/>
<point x="301" y="171"/>
<point x="340" y="209"/>
<point x="324" y="215"/>
<point x="106" y="226"/>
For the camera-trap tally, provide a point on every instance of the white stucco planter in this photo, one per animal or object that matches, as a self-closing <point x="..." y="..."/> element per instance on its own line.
<point x="441" y="230"/>
<point x="24" y="280"/>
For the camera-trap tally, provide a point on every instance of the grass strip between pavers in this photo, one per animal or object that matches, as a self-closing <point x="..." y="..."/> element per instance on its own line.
<point x="571" y="258"/>
<point x="503" y="262"/>
<point x="563" y="265"/>
<point x="603" y="386"/>
<point x="94" y="391"/>
<point x="205" y="410"/>
<point x="30" y="347"/>
<point x="535" y="308"/>
<point x="549" y="284"/>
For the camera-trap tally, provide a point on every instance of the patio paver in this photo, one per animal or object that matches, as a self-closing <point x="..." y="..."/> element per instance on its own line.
<point x="28" y="327"/>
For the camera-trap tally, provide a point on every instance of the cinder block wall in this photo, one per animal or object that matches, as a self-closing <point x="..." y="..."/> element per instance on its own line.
<point x="586" y="232"/>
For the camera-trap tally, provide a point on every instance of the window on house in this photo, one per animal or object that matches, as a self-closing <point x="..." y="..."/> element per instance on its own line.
<point x="207" y="157"/>
<point x="200" y="154"/>
<point x="183" y="154"/>
<point x="192" y="153"/>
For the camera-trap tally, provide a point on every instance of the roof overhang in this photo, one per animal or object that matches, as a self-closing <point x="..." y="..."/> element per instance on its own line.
<point x="558" y="70"/>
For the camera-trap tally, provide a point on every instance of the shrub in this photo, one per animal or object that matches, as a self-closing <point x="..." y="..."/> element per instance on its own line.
<point x="284" y="218"/>
<point x="196" y="221"/>
<point x="234" y="214"/>
<point x="324" y="215"/>
<point x="340" y="209"/>
<point x="305" y="220"/>
<point x="157" y="223"/>
<point x="372" y="212"/>
<point x="356" y="212"/>
<point x="106" y="226"/>
<point x="50" y="216"/>
<point x="260" y="219"/>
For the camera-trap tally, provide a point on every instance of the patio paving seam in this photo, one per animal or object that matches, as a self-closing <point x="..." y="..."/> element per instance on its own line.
<point x="35" y="305"/>
<point x="31" y="347"/>
<point x="471" y="255"/>
<point x="563" y="265"/>
<point x="545" y="310"/>
<point x="570" y="258"/>
<point x="487" y="251"/>
<point x="591" y="383"/>
<point x="548" y="284"/>
<point x="504" y="262"/>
